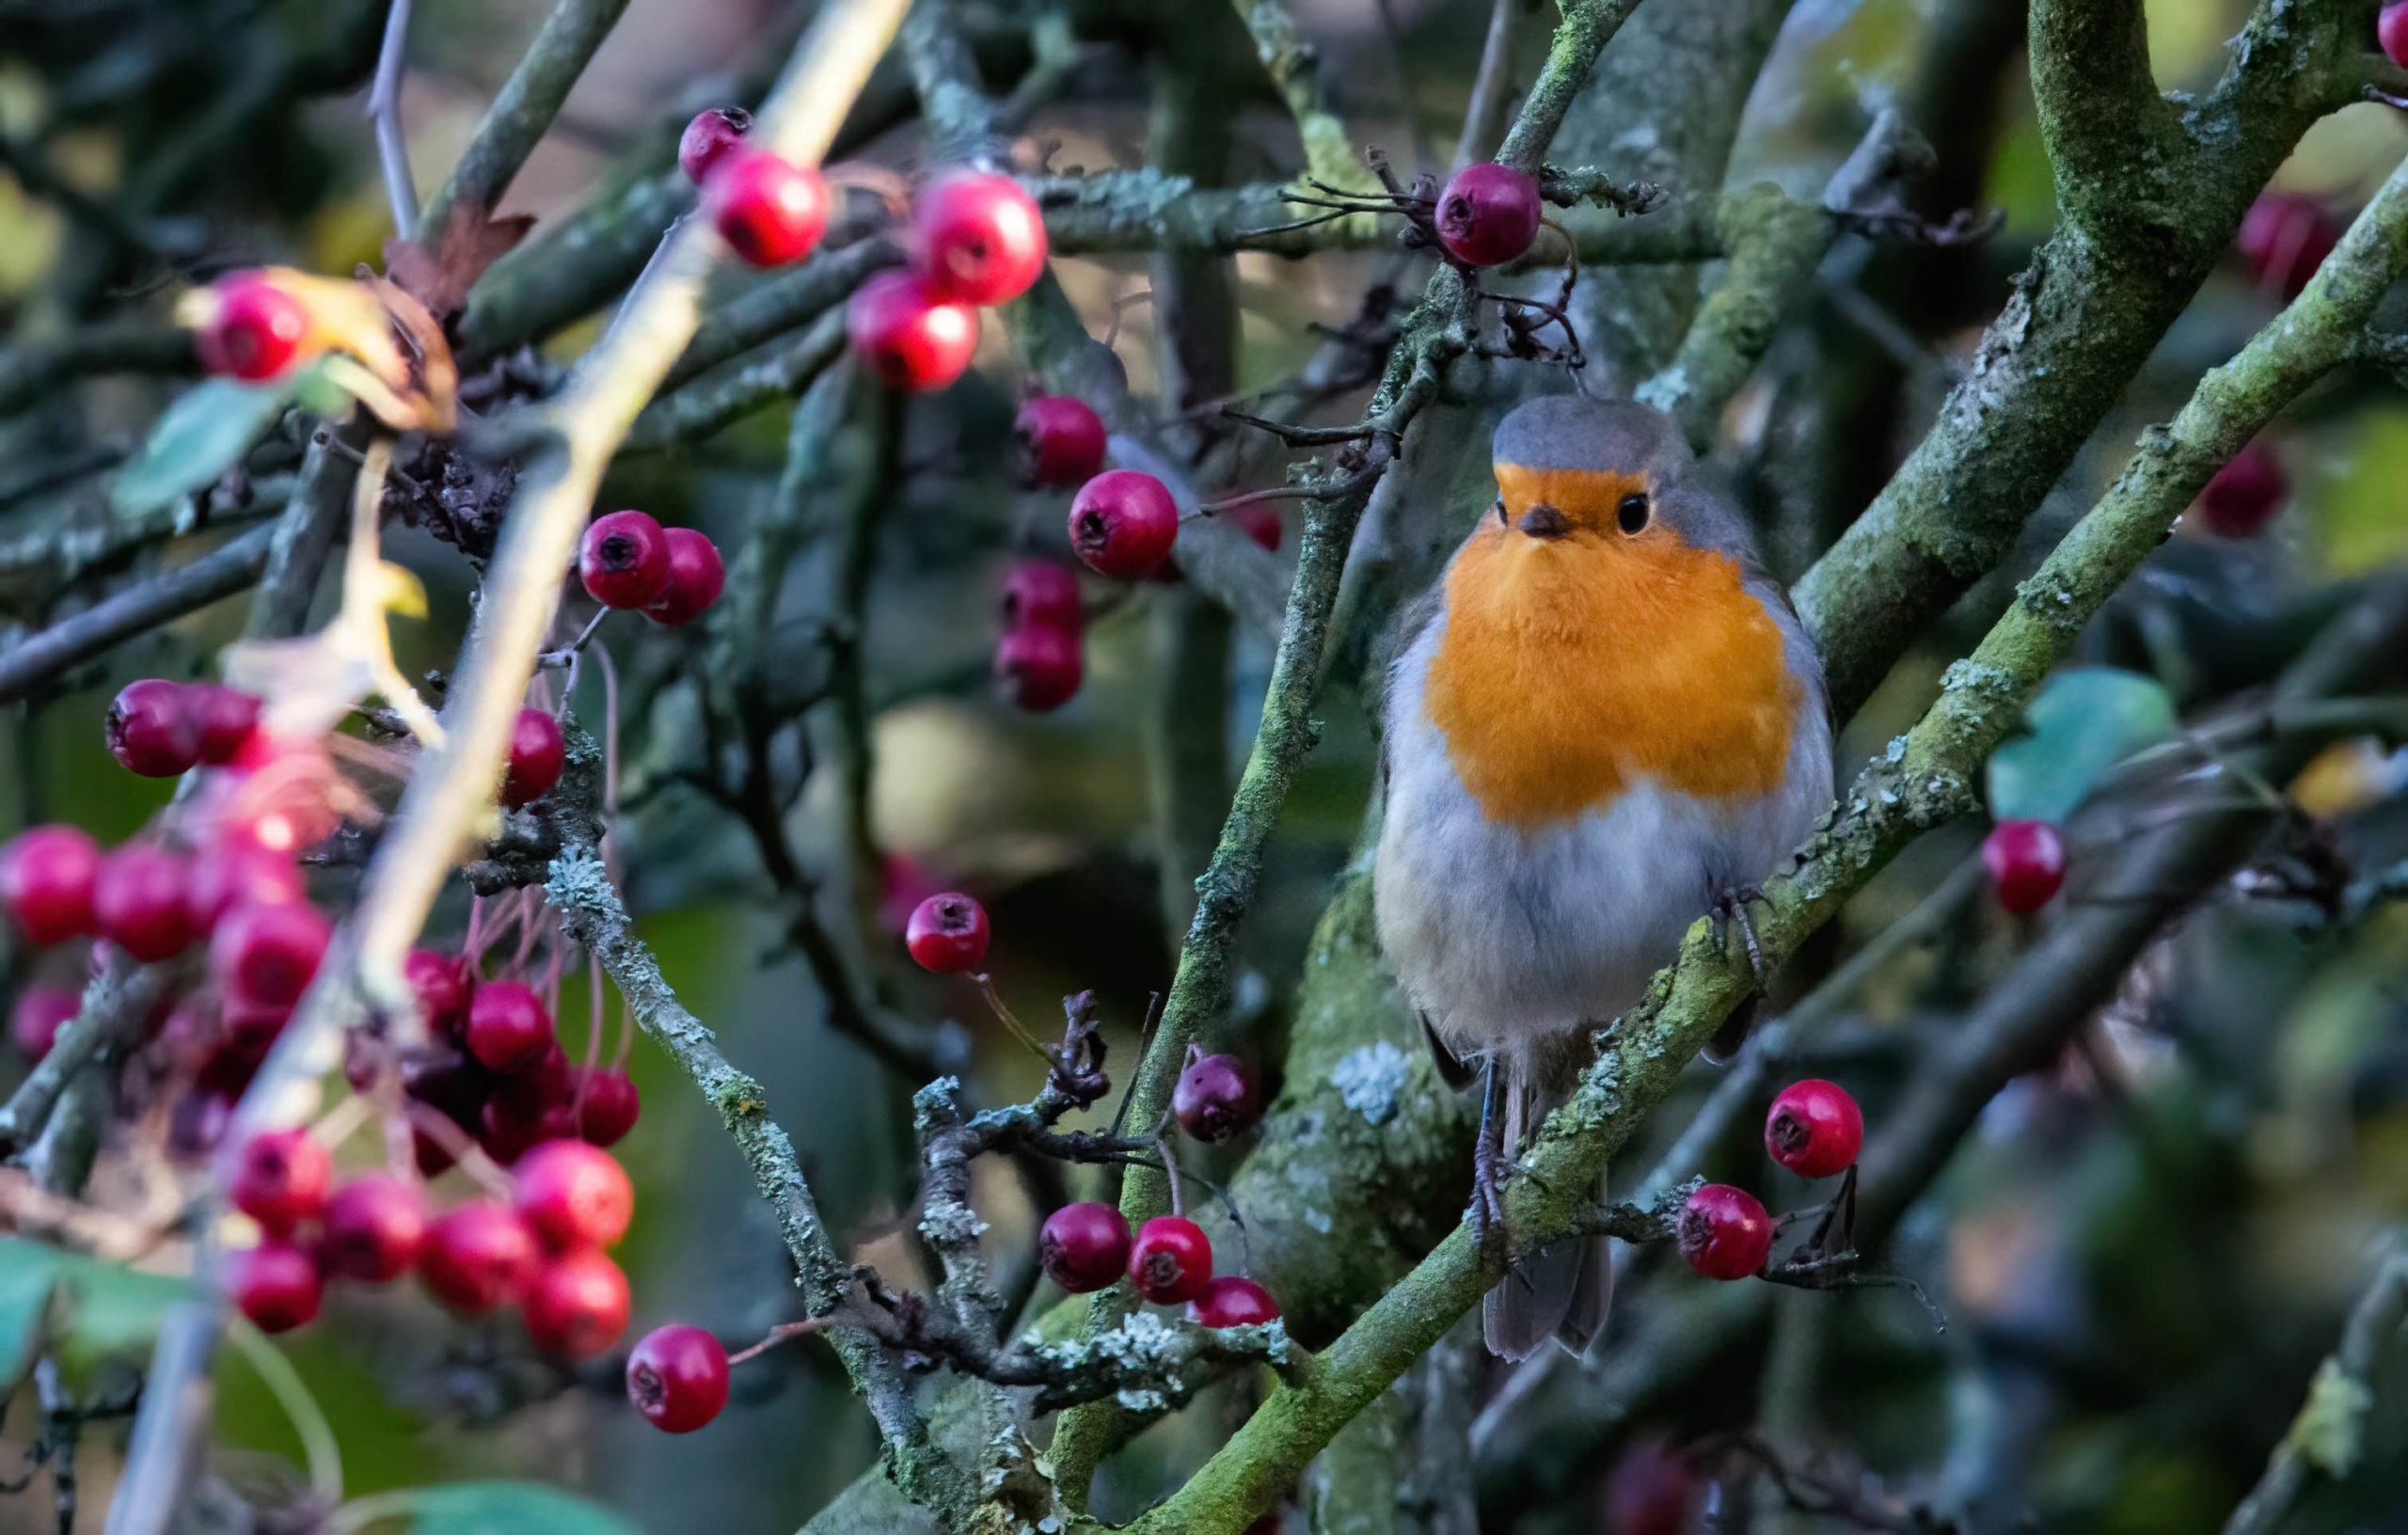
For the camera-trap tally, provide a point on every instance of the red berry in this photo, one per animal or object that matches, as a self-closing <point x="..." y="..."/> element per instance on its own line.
<point x="1815" y="1129"/>
<point x="479" y="1257"/>
<point x="446" y="1077"/>
<point x="46" y="875"/>
<point x="2027" y="863"/>
<point x="265" y="953"/>
<point x="539" y="1086"/>
<point x="508" y="1026"/>
<point x="443" y="985"/>
<point x="707" y="139"/>
<point x="246" y="1029"/>
<point x="981" y="239"/>
<point x="373" y="1227"/>
<point x="234" y="870"/>
<point x="948" y="933"/>
<point x="1260" y="523"/>
<point x="2391" y="30"/>
<point x="606" y="1104"/>
<point x="573" y="1196"/>
<point x="677" y="1378"/>
<point x="277" y="1286"/>
<point x="508" y="1134"/>
<point x="1724" y="1232"/>
<point x="578" y="1306"/>
<point x="2284" y="238"/>
<point x="1488" y="214"/>
<point x="1038" y="667"/>
<point x="223" y="719"/>
<point x="1653" y="1490"/>
<point x="1084" y="1247"/>
<point x="537" y="754"/>
<point x="909" y="337"/>
<point x="2244" y="495"/>
<point x="1215" y="1097"/>
<point x="1171" y="1260"/>
<point x="1061" y="441"/>
<point x="1041" y="595"/>
<point x="623" y="560"/>
<point x="39" y="1012"/>
<point x="257" y="331"/>
<point x="768" y="211"/>
<point x="1123" y="522"/>
<point x="695" y="579"/>
<point x="142" y="901"/>
<point x="282" y="1179"/>
<point x="150" y="728"/>
<point x="1232" y="1302"/>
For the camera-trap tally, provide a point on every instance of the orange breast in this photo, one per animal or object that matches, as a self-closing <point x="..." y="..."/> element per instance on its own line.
<point x="1571" y="668"/>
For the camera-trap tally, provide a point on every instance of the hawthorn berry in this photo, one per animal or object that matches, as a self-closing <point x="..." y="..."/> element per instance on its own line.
<point x="605" y="1103"/>
<point x="677" y="1378"/>
<point x="1039" y="593"/>
<point x="508" y="1026"/>
<point x="479" y="1257"/>
<point x="910" y="338"/>
<point x="446" y="1077"/>
<point x="1814" y="1128"/>
<point x="231" y="871"/>
<point x="442" y="985"/>
<point x="1488" y="214"/>
<point x="373" y="1228"/>
<point x="708" y="138"/>
<point x="573" y="1196"/>
<point x="507" y="1134"/>
<point x="141" y="901"/>
<point x="1724" y="1232"/>
<point x="577" y="1306"/>
<point x="623" y="560"/>
<point x="283" y="1178"/>
<point x="947" y="934"/>
<point x="38" y="1015"/>
<point x="1260" y="523"/>
<point x="2244" y="495"/>
<point x="539" y="1086"/>
<point x="1171" y="1260"/>
<point x="246" y="1029"/>
<point x="2026" y="861"/>
<point x="223" y="719"/>
<point x="537" y="754"/>
<point x="46" y="876"/>
<point x="1215" y="1096"/>
<point x="2284" y="238"/>
<point x="1232" y="1302"/>
<point x="267" y="952"/>
<point x="696" y="577"/>
<point x="150" y="728"/>
<point x="1653" y="1490"/>
<point x="1038" y="667"/>
<point x="1061" y="441"/>
<point x="981" y="238"/>
<point x="1123" y="522"/>
<point x="769" y="210"/>
<point x="256" y="330"/>
<point x="277" y="1286"/>
<point x="1084" y="1247"/>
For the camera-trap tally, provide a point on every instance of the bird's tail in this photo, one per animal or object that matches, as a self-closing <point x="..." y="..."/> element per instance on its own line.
<point x="1559" y="1291"/>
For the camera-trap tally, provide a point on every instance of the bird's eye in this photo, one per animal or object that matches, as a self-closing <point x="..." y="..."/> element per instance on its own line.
<point x="1499" y="509"/>
<point x="1632" y="512"/>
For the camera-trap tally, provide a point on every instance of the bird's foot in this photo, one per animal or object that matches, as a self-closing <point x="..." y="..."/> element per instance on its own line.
<point x="1730" y="908"/>
<point x="1486" y="1217"/>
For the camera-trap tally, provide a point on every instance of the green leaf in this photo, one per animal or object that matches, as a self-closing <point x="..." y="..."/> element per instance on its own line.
<point x="2083" y="723"/>
<point x="28" y="1278"/>
<point x="112" y="1310"/>
<point x="511" y="1508"/>
<point x="201" y="434"/>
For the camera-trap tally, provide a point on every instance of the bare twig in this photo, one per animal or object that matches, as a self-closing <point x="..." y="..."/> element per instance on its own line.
<point x="159" y="599"/>
<point x="384" y="110"/>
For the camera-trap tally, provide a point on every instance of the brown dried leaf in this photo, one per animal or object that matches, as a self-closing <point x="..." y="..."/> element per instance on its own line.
<point x="472" y="240"/>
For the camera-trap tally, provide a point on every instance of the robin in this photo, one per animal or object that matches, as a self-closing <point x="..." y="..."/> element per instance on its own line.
<point x="1607" y="723"/>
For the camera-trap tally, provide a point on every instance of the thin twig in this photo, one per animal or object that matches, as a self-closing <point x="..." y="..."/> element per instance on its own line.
<point x="384" y="110"/>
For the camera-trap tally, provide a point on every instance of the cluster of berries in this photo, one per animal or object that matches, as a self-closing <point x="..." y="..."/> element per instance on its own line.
<point x="978" y="240"/>
<point x="669" y="575"/>
<point x="1814" y="1129"/>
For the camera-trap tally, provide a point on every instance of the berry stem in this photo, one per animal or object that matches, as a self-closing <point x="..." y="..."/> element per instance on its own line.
<point x="777" y="1335"/>
<point x="995" y="1000"/>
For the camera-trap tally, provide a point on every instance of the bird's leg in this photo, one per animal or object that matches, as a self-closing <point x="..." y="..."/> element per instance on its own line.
<point x="1731" y="907"/>
<point x="1488" y="1171"/>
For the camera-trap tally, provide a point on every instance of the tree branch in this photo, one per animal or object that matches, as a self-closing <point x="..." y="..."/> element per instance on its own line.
<point x="159" y="599"/>
<point x="517" y="120"/>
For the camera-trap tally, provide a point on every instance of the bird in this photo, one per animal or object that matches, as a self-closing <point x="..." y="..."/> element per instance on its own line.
<point x="1603" y="721"/>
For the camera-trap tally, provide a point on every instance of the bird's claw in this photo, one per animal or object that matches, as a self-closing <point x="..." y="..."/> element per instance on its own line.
<point x="1486" y="1217"/>
<point x="1731" y="907"/>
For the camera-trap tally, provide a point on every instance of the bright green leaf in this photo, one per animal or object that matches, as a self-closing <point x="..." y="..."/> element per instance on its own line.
<point x="511" y="1508"/>
<point x="204" y="432"/>
<point x="2083" y="723"/>
<point x="28" y="1278"/>
<point x="112" y="1310"/>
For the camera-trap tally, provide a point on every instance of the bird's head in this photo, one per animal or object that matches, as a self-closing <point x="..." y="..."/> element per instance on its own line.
<point x="1606" y="477"/>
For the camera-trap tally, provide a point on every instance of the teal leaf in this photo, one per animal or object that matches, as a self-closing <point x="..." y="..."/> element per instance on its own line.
<point x="510" y="1508"/>
<point x="2083" y="723"/>
<point x="201" y="434"/>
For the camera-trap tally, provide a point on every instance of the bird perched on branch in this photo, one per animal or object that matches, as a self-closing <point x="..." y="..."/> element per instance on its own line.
<point x="1608" y="723"/>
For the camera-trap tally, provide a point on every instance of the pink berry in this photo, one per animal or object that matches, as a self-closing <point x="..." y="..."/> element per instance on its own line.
<point x="508" y="1026"/>
<point x="909" y="337"/>
<point x="283" y="1178"/>
<point x="1215" y="1096"/>
<point x="46" y="877"/>
<point x="373" y="1231"/>
<point x="1123" y="522"/>
<point x="768" y="211"/>
<point x="539" y="1086"/>
<point x="606" y="1104"/>
<point x="1061" y="441"/>
<point x="223" y="719"/>
<point x="442" y="985"/>
<point x="479" y="1257"/>
<point x="2027" y="863"/>
<point x="1260" y="523"/>
<point x="1488" y="214"/>
<point x="2244" y="495"/>
<point x="1038" y="667"/>
<point x="246" y="1028"/>
<point x="1232" y="1302"/>
<point x="677" y="1378"/>
<point x="1039" y="593"/>
<point x="231" y="871"/>
<point x="2284" y="238"/>
<point x="1814" y="1128"/>
<point x="537" y="754"/>
<point x="267" y="953"/>
<point x="573" y="1196"/>
<point x="38" y="1015"/>
<point x="277" y="1286"/>
<point x="1171" y="1260"/>
<point x="508" y="1134"/>
<point x="150" y="728"/>
<point x="695" y="579"/>
<point x="623" y="560"/>
<point x="2391" y="31"/>
<point x="1653" y="1490"/>
<point x="981" y="238"/>
<point x="708" y="138"/>
<point x="1724" y="1232"/>
<point x="258" y="329"/>
<point x="1084" y="1247"/>
<point x="142" y="901"/>
<point x="578" y="1306"/>
<point x="948" y="933"/>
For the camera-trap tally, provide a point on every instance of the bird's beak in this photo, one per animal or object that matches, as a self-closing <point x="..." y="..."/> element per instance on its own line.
<point x="1543" y="521"/>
